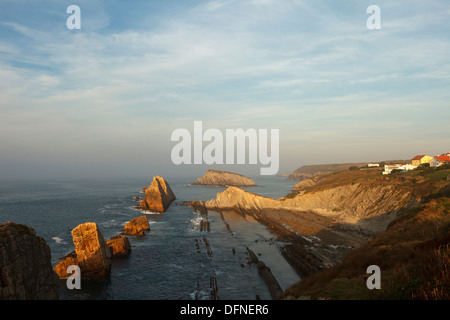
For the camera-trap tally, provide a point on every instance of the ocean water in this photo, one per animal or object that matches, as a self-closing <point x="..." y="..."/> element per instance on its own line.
<point x="174" y="260"/>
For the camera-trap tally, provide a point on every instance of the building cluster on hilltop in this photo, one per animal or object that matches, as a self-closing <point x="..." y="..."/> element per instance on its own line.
<point x="433" y="161"/>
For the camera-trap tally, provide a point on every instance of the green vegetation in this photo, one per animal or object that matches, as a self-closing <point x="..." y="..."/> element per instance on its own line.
<point x="345" y="177"/>
<point x="291" y="195"/>
<point x="423" y="166"/>
<point x="439" y="174"/>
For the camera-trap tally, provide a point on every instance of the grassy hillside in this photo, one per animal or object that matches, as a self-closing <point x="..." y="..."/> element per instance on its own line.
<point x="413" y="255"/>
<point x="309" y="171"/>
<point x="422" y="182"/>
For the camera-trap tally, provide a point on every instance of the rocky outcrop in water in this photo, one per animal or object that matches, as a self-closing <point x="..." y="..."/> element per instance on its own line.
<point x="224" y="178"/>
<point x="137" y="226"/>
<point x="158" y="196"/>
<point x="25" y="265"/>
<point x="68" y="260"/>
<point x="92" y="254"/>
<point x="119" y="246"/>
<point x="265" y="273"/>
<point x="214" y="288"/>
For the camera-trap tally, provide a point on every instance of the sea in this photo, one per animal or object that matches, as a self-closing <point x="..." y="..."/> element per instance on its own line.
<point x="175" y="260"/>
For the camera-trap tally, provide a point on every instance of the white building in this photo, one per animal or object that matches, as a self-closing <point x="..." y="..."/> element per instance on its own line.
<point x="389" y="167"/>
<point x="404" y="167"/>
<point x="439" y="161"/>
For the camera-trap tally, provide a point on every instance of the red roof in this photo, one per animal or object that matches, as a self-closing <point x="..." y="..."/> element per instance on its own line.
<point x="443" y="158"/>
<point x="418" y="157"/>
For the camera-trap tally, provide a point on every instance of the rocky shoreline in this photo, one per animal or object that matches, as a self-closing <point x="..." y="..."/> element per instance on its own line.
<point x="305" y="250"/>
<point x="322" y="222"/>
<point x="317" y="225"/>
<point x="264" y="271"/>
<point x="298" y="251"/>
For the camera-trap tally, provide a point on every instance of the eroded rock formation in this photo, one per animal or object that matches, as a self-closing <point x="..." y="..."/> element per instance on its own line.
<point x="331" y="217"/>
<point x="137" y="226"/>
<point x="66" y="261"/>
<point x="25" y="265"/>
<point x="302" y="185"/>
<point x="92" y="254"/>
<point x="119" y="246"/>
<point x="158" y="196"/>
<point x="224" y="178"/>
<point x="346" y="204"/>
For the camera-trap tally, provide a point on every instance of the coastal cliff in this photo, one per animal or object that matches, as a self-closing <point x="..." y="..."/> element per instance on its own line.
<point x="351" y="203"/>
<point x="224" y="178"/>
<point x="25" y="265"/>
<point x="412" y="254"/>
<point x="331" y="217"/>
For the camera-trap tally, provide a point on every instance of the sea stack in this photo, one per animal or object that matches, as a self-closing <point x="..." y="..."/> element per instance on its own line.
<point x="92" y="254"/>
<point x="158" y="196"/>
<point x="224" y="178"/>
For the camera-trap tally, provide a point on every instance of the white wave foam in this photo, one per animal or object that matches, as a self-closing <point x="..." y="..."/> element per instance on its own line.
<point x="145" y="211"/>
<point x="311" y="239"/>
<point x="176" y="266"/>
<point x="58" y="240"/>
<point x="149" y="212"/>
<point x="195" y="222"/>
<point x="200" y="295"/>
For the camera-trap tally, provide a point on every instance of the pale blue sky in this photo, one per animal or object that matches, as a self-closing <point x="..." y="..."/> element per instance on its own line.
<point x="104" y="100"/>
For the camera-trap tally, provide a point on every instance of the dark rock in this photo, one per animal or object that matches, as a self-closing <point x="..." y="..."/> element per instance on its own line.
<point x="26" y="272"/>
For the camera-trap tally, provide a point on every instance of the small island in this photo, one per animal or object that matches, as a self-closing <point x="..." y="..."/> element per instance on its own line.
<point x="224" y="178"/>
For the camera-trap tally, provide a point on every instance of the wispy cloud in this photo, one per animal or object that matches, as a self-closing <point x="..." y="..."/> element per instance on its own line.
<point x="311" y="69"/>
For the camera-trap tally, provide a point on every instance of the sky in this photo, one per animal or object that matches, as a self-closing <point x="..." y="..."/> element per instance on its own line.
<point x="103" y="101"/>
